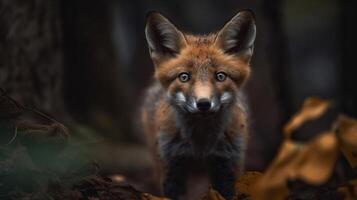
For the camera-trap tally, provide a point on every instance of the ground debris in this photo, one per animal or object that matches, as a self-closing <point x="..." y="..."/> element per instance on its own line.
<point x="38" y="161"/>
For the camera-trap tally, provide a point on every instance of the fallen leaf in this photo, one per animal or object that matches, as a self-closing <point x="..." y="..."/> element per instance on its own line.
<point x="318" y="159"/>
<point x="349" y="191"/>
<point x="312" y="108"/>
<point x="246" y="182"/>
<point x="146" y="196"/>
<point x="272" y="185"/>
<point x="212" y="195"/>
<point x="270" y="191"/>
<point x="118" y="178"/>
<point x="346" y="129"/>
<point x="312" y="162"/>
<point x="350" y="156"/>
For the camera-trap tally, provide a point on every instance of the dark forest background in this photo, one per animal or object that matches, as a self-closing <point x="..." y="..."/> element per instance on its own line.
<point x="86" y="64"/>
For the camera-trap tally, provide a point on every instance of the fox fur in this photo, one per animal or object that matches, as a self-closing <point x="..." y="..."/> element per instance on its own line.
<point x="195" y="113"/>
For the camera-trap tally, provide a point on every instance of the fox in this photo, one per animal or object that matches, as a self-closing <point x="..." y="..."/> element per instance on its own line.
<point x="195" y="113"/>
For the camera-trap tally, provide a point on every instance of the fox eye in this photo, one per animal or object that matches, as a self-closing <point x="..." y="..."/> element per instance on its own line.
<point x="221" y="76"/>
<point x="184" y="77"/>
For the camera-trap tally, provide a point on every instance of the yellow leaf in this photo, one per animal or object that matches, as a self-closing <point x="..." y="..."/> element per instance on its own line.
<point x="272" y="185"/>
<point x="313" y="107"/>
<point x="347" y="134"/>
<point x="312" y="162"/>
<point x="246" y="181"/>
<point x="318" y="159"/>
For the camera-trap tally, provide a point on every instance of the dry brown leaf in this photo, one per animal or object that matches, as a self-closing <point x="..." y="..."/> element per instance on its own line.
<point x="266" y="191"/>
<point x="245" y="182"/>
<point x="318" y="159"/>
<point x="212" y="195"/>
<point x="347" y="133"/>
<point x="350" y="156"/>
<point x="312" y="162"/>
<point x="347" y="128"/>
<point x="272" y="185"/>
<point x="118" y="178"/>
<point x="349" y="191"/>
<point x="312" y="108"/>
<point x="146" y="196"/>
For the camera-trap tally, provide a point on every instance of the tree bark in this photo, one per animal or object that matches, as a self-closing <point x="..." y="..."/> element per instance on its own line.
<point x="31" y="54"/>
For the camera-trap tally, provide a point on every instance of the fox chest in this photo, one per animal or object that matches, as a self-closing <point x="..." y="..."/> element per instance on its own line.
<point x="199" y="143"/>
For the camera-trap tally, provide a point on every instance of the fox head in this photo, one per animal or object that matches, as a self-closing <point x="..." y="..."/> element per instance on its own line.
<point x="203" y="73"/>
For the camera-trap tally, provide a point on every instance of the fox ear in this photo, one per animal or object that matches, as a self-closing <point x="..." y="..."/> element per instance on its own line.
<point x="238" y="35"/>
<point x="163" y="38"/>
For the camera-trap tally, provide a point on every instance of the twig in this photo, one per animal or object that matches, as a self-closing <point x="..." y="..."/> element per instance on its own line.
<point x="4" y="93"/>
<point x="14" y="137"/>
<point x="43" y="115"/>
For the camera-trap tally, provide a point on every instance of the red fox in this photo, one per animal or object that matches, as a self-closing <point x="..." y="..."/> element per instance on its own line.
<point x="194" y="115"/>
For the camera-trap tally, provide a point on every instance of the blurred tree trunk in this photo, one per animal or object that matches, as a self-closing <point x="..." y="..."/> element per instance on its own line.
<point x="96" y="92"/>
<point x="279" y="101"/>
<point x="31" y="54"/>
<point x="56" y="50"/>
<point x="278" y="54"/>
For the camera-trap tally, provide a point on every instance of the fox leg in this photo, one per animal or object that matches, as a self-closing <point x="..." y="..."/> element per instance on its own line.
<point x="175" y="178"/>
<point x="222" y="174"/>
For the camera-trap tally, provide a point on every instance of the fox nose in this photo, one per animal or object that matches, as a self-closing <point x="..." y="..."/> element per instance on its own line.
<point x="203" y="104"/>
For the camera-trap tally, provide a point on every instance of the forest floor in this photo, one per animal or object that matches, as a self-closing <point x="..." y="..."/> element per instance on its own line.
<point x="39" y="159"/>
